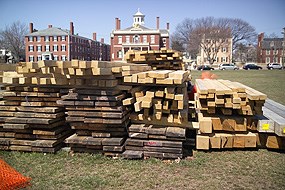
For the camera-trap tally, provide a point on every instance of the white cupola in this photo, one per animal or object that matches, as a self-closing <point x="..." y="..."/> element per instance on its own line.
<point x="138" y="18"/>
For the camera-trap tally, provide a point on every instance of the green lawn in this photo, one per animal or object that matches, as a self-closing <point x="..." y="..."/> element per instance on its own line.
<point x="247" y="169"/>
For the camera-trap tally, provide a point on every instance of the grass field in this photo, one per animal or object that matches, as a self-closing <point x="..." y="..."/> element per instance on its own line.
<point x="242" y="169"/>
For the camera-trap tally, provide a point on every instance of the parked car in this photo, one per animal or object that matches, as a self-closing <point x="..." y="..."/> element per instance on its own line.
<point x="252" y="66"/>
<point x="228" y="66"/>
<point x="274" y="66"/>
<point x="205" y="67"/>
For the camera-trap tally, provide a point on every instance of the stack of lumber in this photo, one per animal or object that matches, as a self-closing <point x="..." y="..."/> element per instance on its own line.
<point x="160" y="114"/>
<point x="162" y="100"/>
<point x="75" y="72"/>
<point x="157" y="59"/>
<point x="154" y="141"/>
<point x="228" y="98"/>
<point x="228" y="114"/>
<point x="98" y="118"/>
<point x="30" y="119"/>
<point x="271" y="126"/>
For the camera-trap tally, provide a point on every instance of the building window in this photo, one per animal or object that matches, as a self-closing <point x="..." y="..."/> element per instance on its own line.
<point x="39" y="57"/>
<point x="119" y="54"/>
<point x="39" y="48"/>
<point x="31" y="48"/>
<point x="152" y="39"/>
<point x="55" y="38"/>
<point x="224" y="50"/>
<point x="62" y="38"/>
<point x="268" y="52"/>
<point x="128" y="39"/>
<point x="31" y="38"/>
<point x="144" y="39"/>
<point x="63" y="48"/>
<point x="55" y="57"/>
<point x="47" y="47"/>
<point x="164" y="40"/>
<point x="31" y="58"/>
<point x="46" y="38"/>
<point x="119" y="39"/>
<point x="276" y="52"/>
<point x="267" y="59"/>
<point x="38" y="38"/>
<point x="136" y="39"/>
<point x="54" y="47"/>
<point x="63" y="58"/>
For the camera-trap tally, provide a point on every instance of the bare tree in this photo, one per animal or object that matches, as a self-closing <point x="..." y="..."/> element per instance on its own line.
<point x="13" y="39"/>
<point x="240" y="31"/>
<point x="210" y="36"/>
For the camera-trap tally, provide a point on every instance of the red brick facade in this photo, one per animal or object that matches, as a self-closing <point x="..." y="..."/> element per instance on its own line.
<point x="137" y="37"/>
<point x="269" y="50"/>
<point x="58" y="44"/>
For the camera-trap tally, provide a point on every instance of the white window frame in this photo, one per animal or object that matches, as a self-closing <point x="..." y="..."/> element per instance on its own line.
<point x="30" y="38"/>
<point x="38" y="38"/>
<point x="31" y="58"/>
<point x="128" y="39"/>
<point x="267" y="52"/>
<point x="55" y="48"/>
<point x="152" y="39"/>
<point x="63" y="57"/>
<point x="31" y="48"/>
<point x="120" y="54"/>
<point x="39" y="57"/>
<point x="120" y="39"/>
<point x="47" y="38"/>
<point x="55" y="38"/>
<point x="63" y="47"/>
<point x="63" y="38"/>
<point x="267" y="60"/>
<point x="144" y="38"/>
<point x="55" y="57"/>
<point x="39" y="48"/>
<point x="47" y="48"/>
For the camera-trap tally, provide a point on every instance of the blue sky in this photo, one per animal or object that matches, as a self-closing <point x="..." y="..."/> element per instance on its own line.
<point x="99" y="16"/>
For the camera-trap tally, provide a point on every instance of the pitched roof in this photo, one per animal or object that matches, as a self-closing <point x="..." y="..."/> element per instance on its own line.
<point x="267" y="43"/>
<point x="53" y="31"/>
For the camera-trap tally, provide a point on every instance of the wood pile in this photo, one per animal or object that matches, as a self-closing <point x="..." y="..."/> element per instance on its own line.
<point x="163" y="59"/>
<point x="228" y="114"/>
<point x="99" y="119"/>
<point x="155" y="141"/>
<point x="271" y="126"/>
<point x="159" y="118"/>
<point x="161" y="100"/>
<point x="30" y="119"/>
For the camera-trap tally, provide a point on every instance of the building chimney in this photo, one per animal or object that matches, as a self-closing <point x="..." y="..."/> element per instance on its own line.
<point x="49" y="26"/>
<point x="31" y="27"/>
<point x="71" y="28"/>
<point x="157" y="23"/>
<point x="94" y="36"/>
<point x="102" y="40"/>
<point x="117" y="23"/>
<point x="167" y="26"/>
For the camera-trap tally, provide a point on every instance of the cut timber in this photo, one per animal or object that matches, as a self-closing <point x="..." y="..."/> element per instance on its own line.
<point x="131" y="154"/>
<point x="279" y="121"/>
<point x="202" y="142"/>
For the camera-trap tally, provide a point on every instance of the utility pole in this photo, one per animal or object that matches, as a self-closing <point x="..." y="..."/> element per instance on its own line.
<point x="283" y="44"/>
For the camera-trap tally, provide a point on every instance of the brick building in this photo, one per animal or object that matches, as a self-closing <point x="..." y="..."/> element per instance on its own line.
<point x="137" y="37"/>
<point x="60" y="44"/>
<point x="270" y="50"/>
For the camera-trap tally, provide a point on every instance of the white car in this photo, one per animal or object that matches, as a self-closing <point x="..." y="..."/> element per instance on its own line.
<point x="228" y="66"/>
<point x="274" y="66"/>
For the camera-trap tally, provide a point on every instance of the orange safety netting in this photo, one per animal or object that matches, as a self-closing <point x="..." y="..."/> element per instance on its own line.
<point x="10" y="178"/>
